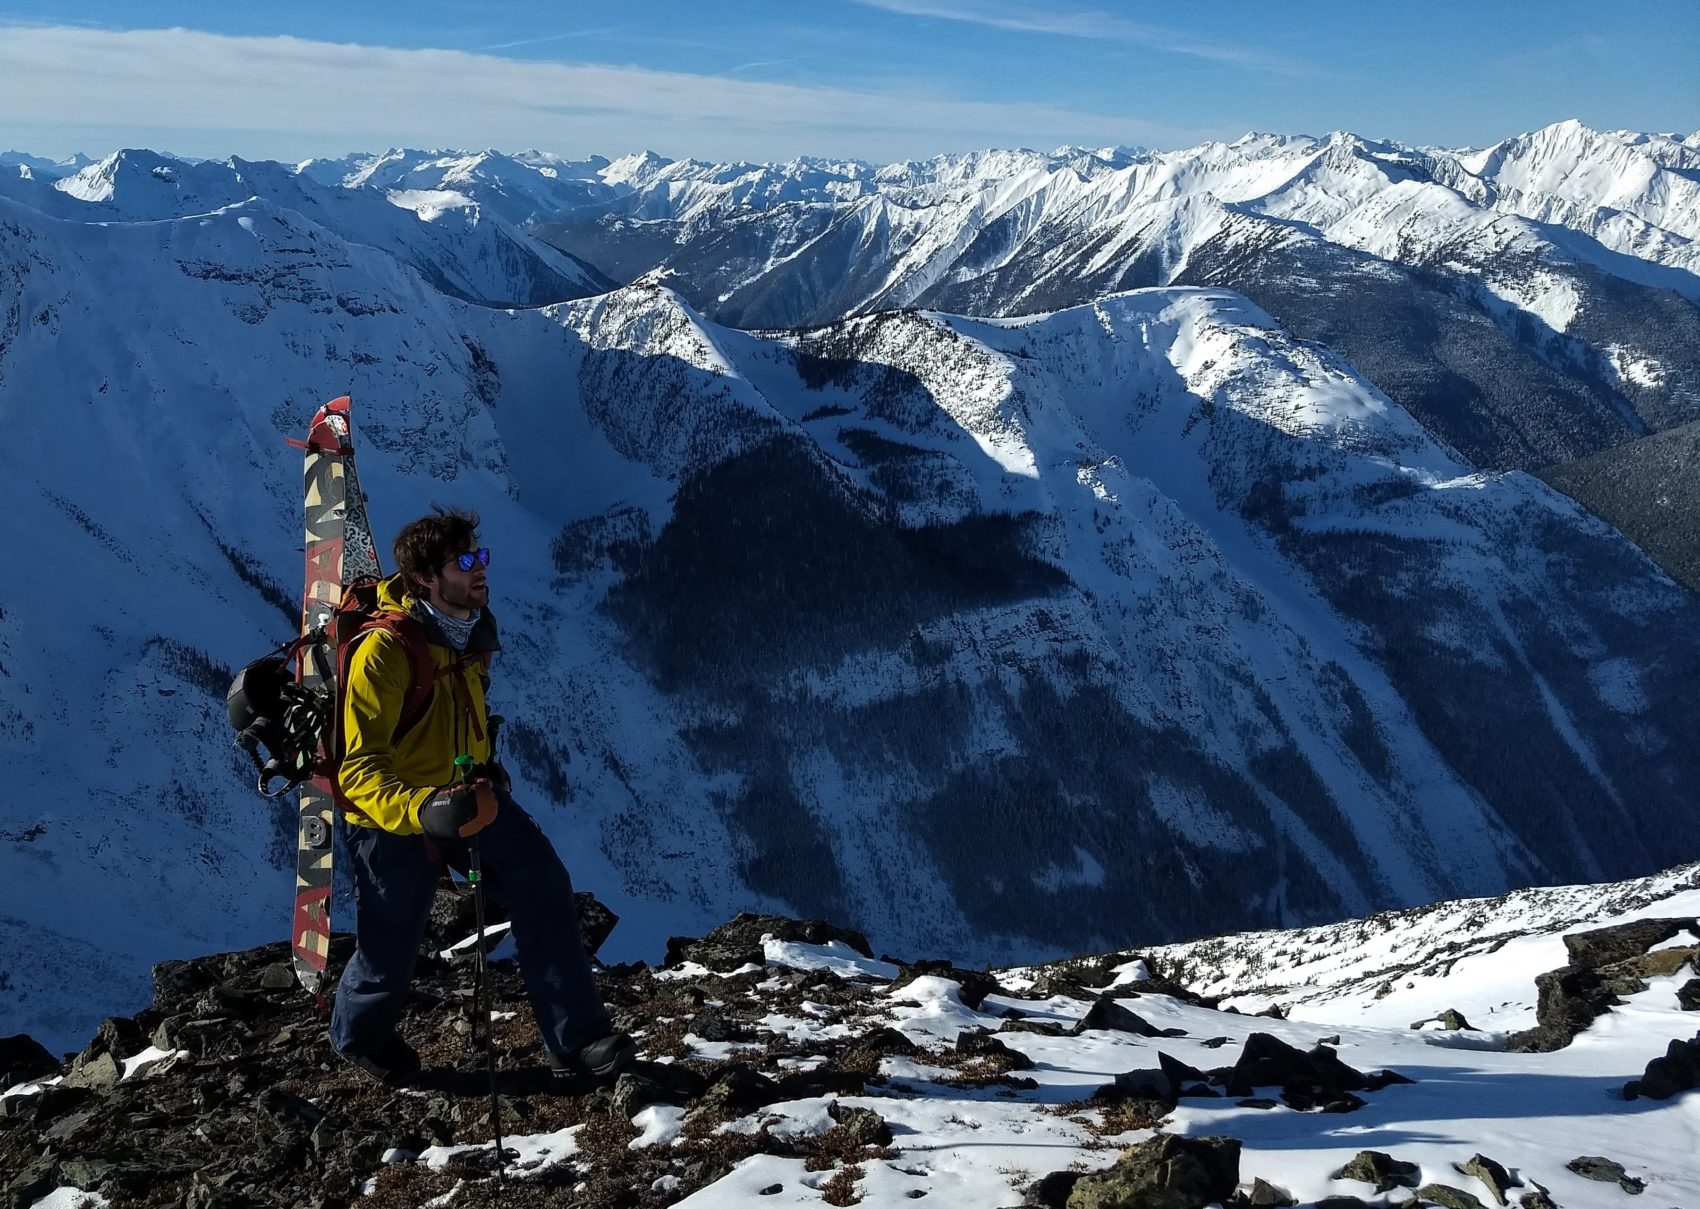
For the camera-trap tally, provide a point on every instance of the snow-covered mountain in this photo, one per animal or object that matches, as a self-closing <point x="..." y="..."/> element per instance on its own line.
<point x="459" y="246"/>
<point x="1003" y="637"/>
<point x="41" y="166"/>
<point x="1531" y="302"/>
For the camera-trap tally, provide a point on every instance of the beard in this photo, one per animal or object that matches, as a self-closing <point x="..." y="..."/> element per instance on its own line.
<point x="472" y="596"/>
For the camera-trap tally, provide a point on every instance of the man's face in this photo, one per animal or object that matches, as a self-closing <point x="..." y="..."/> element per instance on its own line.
<point x="458" y="592"/>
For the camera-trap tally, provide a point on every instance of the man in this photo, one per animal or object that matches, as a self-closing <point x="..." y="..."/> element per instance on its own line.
<point x="409" y="812"/>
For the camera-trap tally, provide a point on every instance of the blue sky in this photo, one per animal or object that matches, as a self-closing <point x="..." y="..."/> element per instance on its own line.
<point x="873" y="79"/>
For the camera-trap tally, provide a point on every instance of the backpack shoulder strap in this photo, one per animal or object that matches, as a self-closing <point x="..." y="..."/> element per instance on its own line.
<point x="422" y="668"/>
<point x="422" y="678"/>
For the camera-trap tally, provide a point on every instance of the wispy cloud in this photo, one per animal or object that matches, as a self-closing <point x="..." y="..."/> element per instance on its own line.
<point x="1079" y="23"/>
<point x="12" y="20"/>
<point x="547" y="38"/>
<point x="286" y="97"/>
<point x="755" y="64"/>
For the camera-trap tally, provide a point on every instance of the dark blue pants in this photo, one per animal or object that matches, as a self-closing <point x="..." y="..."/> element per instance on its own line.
<point x="395" y="881"/>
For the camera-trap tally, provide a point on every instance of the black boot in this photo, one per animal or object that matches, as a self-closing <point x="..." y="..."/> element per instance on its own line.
<point x="394" y="1064"/>
<point x="600" y="1060"/>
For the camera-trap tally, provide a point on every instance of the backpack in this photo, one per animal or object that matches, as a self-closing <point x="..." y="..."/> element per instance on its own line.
<point x="299" y="729"/>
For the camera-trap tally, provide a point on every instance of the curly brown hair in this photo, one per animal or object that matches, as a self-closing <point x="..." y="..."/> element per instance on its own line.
<point x="425" y="546"/>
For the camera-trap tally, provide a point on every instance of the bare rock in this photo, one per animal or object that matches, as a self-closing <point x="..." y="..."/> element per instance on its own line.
<point x="1108" y="1014"/>
<point x="634" y="1092"/>
<point x="1051" y="1191"/>
<point x="1380" y="1169"/>
<point x="715" y="1025"/>
<point x="1567" y="1001"/>
<point x="1497" y="1179"/>
<point x="738" y="1089"/>
<point x="1601" y="947"/>
<point x="1073" y="979"/>
<point x="1167" y="1172"/>
<point x="23" y="1058"/>
<point x="985" y="1043"/>
<point x="1450" y="1020"/>
<point x="95" y="1073"/>
<point x="1186" y="1080"/>
<point x="1314" y="1080"/>
<point x="1044" y="1028"/>
<point x="1144" y="1083"/>
<point x="1607" y="1171"/>
<point x="1678" y="1071"/>
<point x="1264" y="1195"/>
<point x="865" y="1126"/>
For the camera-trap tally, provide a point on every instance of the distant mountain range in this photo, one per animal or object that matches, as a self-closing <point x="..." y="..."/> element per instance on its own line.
<point x="1530" y="303"/>
<point x="1004" y="636"/>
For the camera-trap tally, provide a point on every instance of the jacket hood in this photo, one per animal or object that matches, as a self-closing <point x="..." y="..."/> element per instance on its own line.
<point x="393" y="594"/>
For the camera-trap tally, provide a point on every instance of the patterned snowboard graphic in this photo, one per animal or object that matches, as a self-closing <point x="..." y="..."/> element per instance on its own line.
<point x="339" y="547"/>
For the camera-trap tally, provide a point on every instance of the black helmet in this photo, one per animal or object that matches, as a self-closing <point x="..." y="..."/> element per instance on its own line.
<point x="269" y="710"/>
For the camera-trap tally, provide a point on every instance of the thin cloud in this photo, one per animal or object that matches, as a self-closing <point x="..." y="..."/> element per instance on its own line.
<point x="1095" y="25"/>
<point x="562" y="37"/>
<point x="758" y="63"/>
<point x="11" y="21"/>
<point x="287" y="97"/>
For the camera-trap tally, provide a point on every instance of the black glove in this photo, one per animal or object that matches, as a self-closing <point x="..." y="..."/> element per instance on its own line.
<point x="496" y="775"/>
<point x="457" y="812"/>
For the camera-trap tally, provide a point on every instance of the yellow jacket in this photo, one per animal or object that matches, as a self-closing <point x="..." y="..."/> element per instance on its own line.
<point x="384" y="779"/>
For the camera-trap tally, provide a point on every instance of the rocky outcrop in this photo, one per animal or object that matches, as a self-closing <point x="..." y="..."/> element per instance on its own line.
<point x="1606" y="1171"/>
<point x="1106" y="1013"/>
<point x="1448" y="1197"/>
<point x="1313" y="1079"/>
<point x="1451" y="1020"/>
<point x="23" y="1058"/>
<point x="1499" y="1182"/>
<point x="1606" y="963"/>
<point x="1600" y="948"/>
<point x="1678" y="1071"/>
<point x="1381" y="1170"/>
<point x="1688" y="995"/>
<point x="739" y="941"/>
<point x="1168" y="1172"/>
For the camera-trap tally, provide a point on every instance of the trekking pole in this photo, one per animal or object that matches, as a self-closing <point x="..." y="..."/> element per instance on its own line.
<point x="475" y="877"/>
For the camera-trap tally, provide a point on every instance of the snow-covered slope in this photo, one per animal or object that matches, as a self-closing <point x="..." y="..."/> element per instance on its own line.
<point x="1479" y="955"/>
<point x="1002" y="638"/>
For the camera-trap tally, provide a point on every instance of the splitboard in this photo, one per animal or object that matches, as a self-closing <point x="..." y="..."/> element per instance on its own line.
<point x="339" y="551"/>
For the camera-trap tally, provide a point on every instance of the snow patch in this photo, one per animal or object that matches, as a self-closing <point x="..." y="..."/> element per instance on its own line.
<point x="1086" y="871"/>
<point x="660" y="1124"/>
<point x="834" y="956"/>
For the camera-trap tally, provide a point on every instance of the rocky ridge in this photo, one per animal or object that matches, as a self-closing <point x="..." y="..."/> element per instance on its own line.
<point x="769" y="1045"/>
